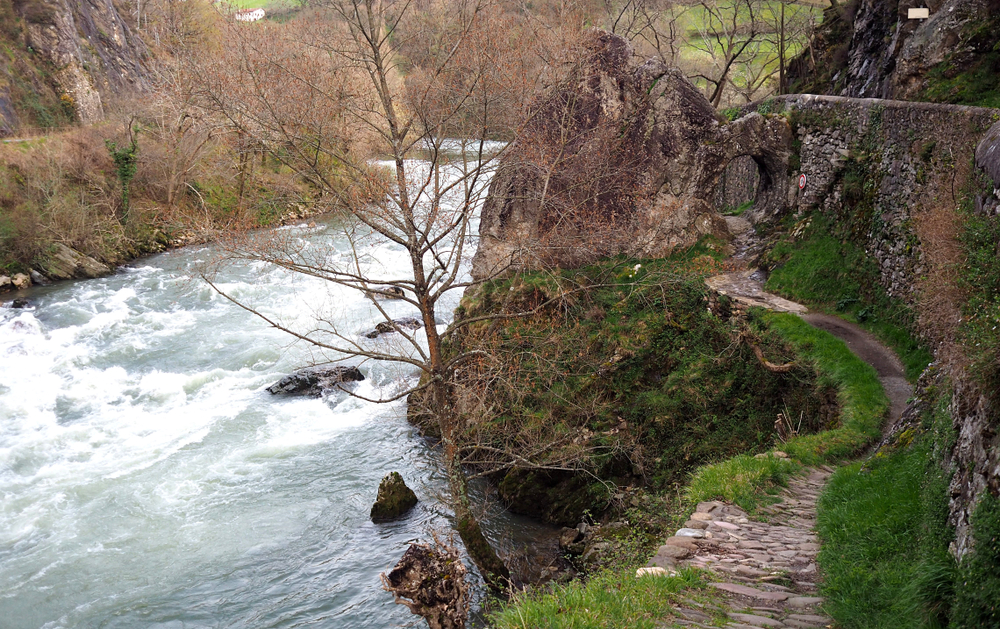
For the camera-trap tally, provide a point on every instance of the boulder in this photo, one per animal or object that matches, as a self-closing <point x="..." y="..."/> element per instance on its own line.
<point x="315" y="380"/>
<point x="64" y="263"/>
<point x="394" y="499"/>
<point x="5" y="283"/>
<point x="638" y="174"/>
<point x="568" y="537"/>
<point x="20" y="303"/>
<point x="20" y="281"/>
<point x="38" y="278"/>
<point x="392" y="292"/>
<point x="388" y="327"/>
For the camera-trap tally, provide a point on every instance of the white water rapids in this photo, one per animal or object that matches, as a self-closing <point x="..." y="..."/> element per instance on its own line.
<point x="147" y="479"/>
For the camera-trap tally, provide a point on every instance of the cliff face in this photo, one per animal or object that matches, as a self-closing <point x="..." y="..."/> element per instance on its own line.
<point x="67" y="58"/>
<point x="871" y="49"/>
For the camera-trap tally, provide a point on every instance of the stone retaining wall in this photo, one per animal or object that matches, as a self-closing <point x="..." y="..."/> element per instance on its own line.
<point x="901" y="170"/>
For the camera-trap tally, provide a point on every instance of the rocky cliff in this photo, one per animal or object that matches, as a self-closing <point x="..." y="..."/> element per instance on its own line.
<point x="65" y="58"/>
<point x="871" y="49"/>
<point x="618" y="157"/>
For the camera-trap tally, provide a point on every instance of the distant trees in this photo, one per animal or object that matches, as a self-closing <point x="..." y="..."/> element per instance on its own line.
<point x="736" y="50"/>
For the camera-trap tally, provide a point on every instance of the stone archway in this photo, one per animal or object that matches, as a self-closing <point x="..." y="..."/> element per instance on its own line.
<point x="737" y="188"/>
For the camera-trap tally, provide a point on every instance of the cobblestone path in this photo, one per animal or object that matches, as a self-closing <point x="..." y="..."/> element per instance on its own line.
<point x="764" y="569"/>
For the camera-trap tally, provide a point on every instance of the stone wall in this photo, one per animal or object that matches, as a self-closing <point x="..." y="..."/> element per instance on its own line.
<point x="901" y="171"/>
<point x="909" y="161"/>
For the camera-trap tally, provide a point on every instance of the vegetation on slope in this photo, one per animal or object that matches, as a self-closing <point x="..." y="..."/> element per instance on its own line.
<point x="610" y="600"/>
<point x="747" y="480"/>
<point x="817" y="263"/>
<point x="637" y="370"/>
<point x="884" y="527"/>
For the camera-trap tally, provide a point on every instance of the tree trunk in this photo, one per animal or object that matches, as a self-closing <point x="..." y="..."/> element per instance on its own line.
<point x="469" y="529"/>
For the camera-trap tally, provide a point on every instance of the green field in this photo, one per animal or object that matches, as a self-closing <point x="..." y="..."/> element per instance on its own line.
<point x="706" y="35"/>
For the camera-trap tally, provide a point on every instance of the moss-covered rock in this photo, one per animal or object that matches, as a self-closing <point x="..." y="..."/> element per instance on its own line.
<point x="394" y="499"/>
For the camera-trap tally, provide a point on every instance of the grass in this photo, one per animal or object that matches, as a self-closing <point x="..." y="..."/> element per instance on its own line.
<point x="869" y="520"/>
<point x="609" y="600"/>
<point x="748" y="481"/>
<point x="823" y="269"/>
<point x="863" y="403"/>
<point x="744" y="480"/>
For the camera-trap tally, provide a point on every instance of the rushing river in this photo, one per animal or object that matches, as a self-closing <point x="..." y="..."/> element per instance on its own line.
<point x="149" y="480"/>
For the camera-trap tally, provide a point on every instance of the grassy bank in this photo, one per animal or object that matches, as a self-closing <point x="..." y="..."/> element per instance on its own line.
<point x="746" y="480"/>
<point x="819" y="265"/>
<point x="610" y="600"/>
<point x="643" y="373"/>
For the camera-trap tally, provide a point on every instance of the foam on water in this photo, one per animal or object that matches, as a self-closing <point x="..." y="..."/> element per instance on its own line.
<point x="147" y="479"/>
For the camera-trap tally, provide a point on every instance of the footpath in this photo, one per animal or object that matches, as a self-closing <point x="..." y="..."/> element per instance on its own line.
<point x="764" y="569"/>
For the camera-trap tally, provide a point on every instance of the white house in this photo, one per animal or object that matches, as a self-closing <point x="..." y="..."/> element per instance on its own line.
<point x="249" y="15"/>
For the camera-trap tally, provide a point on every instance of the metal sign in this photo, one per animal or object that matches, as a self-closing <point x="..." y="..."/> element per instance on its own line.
<point x="802" y="182"/>
<point x="918" y="14"/>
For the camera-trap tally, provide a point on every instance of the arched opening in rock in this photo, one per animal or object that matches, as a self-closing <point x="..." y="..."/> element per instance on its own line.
<point x="741" y="184"/>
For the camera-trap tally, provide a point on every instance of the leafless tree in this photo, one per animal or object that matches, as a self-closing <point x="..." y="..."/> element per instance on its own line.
<point x="725" y="34"/>
<point x="326" y="97"/>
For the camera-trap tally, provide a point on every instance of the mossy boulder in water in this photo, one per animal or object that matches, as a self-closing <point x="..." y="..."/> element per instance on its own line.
<point x="394" y="499"/>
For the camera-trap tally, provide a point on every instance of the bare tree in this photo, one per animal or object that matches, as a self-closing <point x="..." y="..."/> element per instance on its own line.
<point x="726" y="33"/>
<point x="325" y="97"/>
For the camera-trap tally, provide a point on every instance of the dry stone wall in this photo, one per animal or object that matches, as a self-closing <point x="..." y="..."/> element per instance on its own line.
<point x="902" y="170"/>
<point x="905" y="162"/>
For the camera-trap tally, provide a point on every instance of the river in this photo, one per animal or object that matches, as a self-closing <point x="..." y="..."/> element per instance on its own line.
<point x="148" y="479"/>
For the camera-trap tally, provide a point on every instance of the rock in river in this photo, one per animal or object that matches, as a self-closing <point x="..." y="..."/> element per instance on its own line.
<point x="394" y="498"/>
<point x="315" y="380"/>
<point x="387" y="327"/>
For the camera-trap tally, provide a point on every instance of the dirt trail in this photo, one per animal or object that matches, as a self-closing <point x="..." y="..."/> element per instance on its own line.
<point x="765" y="571"/>
<point x="747" y="287"/>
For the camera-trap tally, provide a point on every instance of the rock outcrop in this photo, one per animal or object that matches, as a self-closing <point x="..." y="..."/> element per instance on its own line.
<point x="871" y="49"/>
<point x="388" y="327"/>
<point x="315" y="380"/>
<point x="618" y="157"/>
<point x="83" y="51"/>
<point x="64" y="263"/>
<point x="394" y="499"/>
